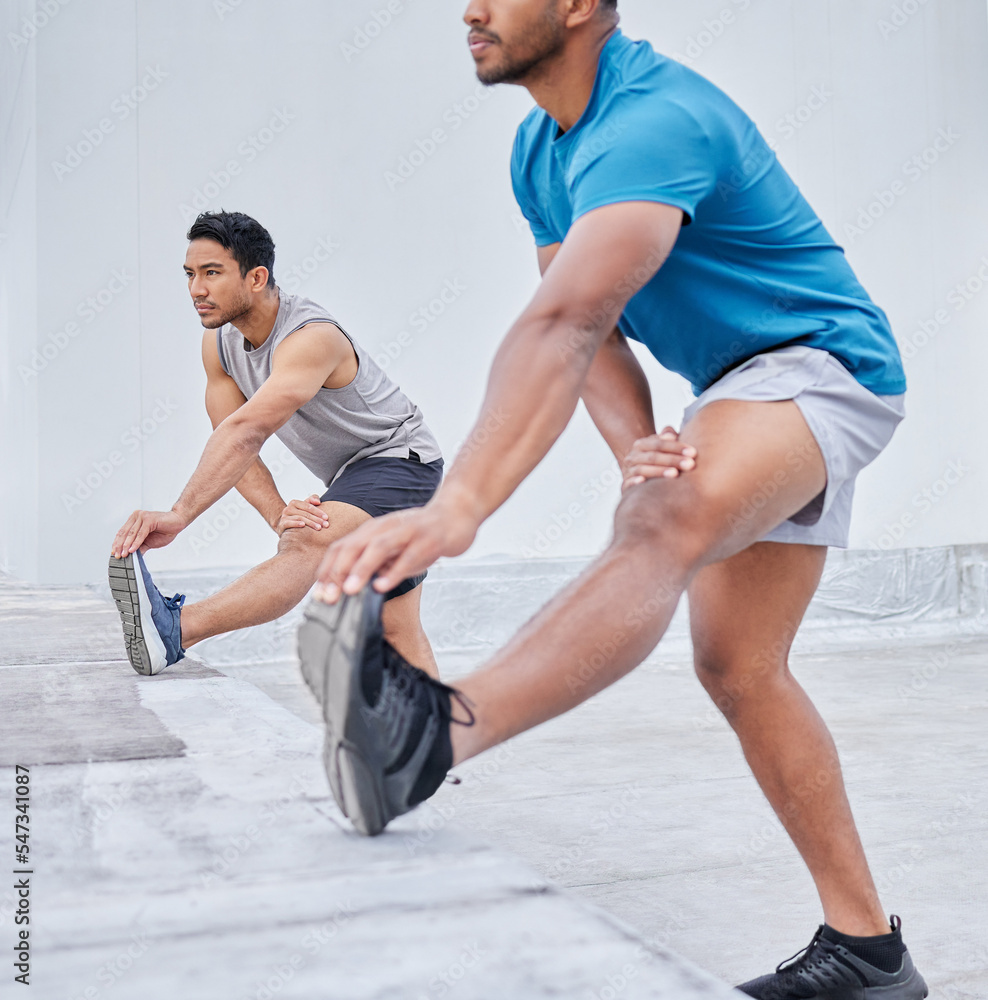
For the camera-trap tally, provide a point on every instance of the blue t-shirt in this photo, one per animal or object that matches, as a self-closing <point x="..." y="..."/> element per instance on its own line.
<point x="753" y="269"/>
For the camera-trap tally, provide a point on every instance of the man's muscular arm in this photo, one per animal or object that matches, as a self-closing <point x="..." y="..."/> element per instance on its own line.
<point x="536" y="381"/>
<point x="301" y="365"/>
<point x="618" y="398"/>
<point x="223" y="397"/>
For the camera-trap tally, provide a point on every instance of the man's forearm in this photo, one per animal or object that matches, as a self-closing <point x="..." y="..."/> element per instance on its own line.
<point x="258" y="488"/>
<point x="229" y="453"/>
<point x="618" y="398"/>
<point x="532" y="392"/>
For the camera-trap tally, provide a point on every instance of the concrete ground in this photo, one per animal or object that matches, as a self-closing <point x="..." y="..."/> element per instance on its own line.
<point x="185" y="844"/>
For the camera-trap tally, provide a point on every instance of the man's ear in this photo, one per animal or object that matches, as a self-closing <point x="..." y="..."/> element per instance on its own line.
<point x="581" y="12"/>
<point x="258" y="278"/>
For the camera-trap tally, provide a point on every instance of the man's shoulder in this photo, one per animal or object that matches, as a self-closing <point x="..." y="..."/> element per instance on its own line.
<point x="646" y="83"/>
<point x="298" y="310"/>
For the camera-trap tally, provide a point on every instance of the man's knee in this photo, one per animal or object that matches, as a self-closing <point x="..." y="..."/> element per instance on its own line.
<point x="676" y="515"/>
<point x="303" y="541"/>
<point x="730" y="678"/>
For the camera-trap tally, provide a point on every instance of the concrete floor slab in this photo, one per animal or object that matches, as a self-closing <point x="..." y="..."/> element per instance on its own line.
<point x="576" y="861"/>
<point x="184" y="844"/>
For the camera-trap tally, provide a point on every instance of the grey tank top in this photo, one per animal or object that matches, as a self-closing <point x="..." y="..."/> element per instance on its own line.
<point x="369" y="418"/>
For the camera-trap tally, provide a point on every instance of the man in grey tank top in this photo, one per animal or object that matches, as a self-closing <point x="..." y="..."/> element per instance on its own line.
<point x="277" y="364"/>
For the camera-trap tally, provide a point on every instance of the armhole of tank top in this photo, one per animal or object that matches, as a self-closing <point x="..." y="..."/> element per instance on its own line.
<point x="332" y="322"/>
<point x="316" y="319"/>
<point x="219" y="349"/>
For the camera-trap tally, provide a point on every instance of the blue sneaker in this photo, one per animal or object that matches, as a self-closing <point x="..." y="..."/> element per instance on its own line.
<point x="151" y="623"/>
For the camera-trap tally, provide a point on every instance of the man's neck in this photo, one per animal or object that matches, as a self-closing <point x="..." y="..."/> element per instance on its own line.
<point x="564" y="85"/>
<point x="257" y="323"/>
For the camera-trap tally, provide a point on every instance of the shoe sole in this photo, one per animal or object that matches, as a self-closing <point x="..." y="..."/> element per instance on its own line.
<point x="331" y="648"/>
<point x="913" y="988"/>
<point x="145" y="650"/>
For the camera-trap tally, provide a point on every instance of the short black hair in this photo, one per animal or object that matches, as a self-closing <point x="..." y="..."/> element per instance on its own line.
<point x="608" y="4"/>
<point x="247" y="240"/>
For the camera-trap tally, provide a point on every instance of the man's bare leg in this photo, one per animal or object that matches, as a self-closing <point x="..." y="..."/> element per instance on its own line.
<point x="606" y="622"/>
<point x="669" y="535"/>
<point x="273" y="588"/>
<point x="403" y="629"/>
<point x="744" y="613"/>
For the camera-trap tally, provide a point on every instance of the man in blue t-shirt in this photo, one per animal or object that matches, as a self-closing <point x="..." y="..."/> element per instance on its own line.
<point x="661" y="215"/>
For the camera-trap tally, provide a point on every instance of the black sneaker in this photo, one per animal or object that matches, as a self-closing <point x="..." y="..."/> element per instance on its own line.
<point x="387" y="723"/>
<point x="827" y="970"/>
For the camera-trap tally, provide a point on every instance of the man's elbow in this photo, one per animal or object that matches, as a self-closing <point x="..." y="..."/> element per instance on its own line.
<point x="576" y="332"/>
<point x="250" y="430"/>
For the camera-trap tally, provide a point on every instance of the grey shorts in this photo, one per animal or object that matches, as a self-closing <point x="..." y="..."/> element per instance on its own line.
<point x="851" y="425"/>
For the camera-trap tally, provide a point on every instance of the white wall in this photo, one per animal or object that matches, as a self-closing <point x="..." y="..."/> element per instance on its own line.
<point x="108" y="223"/>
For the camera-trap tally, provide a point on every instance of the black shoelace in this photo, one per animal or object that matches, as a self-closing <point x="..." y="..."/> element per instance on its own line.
<point x="412" y="683"/>
<point x="802" y="957"/>
<point x="408" y="677"/>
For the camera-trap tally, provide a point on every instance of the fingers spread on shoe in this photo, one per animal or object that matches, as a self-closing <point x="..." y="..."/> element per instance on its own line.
<point x="129" y="538"/>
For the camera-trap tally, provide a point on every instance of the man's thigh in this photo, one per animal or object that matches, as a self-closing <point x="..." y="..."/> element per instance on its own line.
<point x="757" y="465"/>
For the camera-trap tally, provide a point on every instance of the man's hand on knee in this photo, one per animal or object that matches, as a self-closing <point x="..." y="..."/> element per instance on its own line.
<point x="661" y="456"/>
<point x="303" y="514"/>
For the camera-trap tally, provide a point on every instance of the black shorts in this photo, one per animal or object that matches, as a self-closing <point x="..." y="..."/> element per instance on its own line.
<point x="382" y="485"/>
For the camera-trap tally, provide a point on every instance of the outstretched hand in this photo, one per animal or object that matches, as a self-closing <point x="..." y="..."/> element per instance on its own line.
<point x="661" y="455"/>
<point x="392" y="548"/>
<point x="147" y="529"/>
